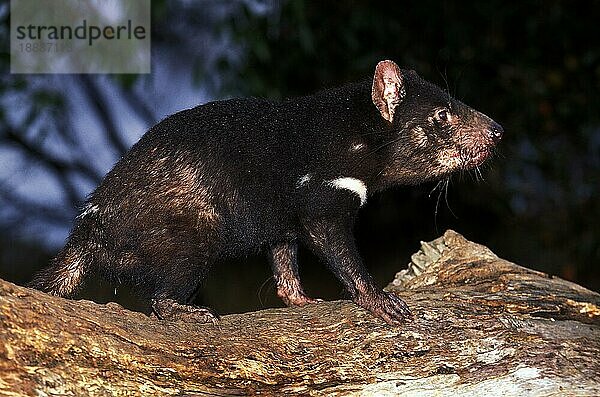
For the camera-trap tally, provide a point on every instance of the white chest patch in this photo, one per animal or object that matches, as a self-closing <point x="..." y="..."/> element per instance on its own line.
<point x="354" y="185"/>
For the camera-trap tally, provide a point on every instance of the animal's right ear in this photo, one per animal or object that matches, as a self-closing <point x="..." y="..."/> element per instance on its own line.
<point x="388" y="88"/>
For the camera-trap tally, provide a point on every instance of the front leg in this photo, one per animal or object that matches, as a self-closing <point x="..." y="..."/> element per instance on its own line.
<point x="333" y="242"/>
<point x="284" y="262"/>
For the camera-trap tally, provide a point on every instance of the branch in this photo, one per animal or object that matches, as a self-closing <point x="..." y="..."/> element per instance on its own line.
<point x="481" y="324"/>
<point x="60" y="168"/>
<point x="54" y="162"/>
<point x="30" y="209"/>
<point x="139" y="106"/>
<point x="99" y="104"/>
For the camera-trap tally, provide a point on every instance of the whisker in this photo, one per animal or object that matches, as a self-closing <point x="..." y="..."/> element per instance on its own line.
<point x="435" y="187"/>
<point x="446" y="198"/>
<point x="437" y="206"/>
<point x="443" y="183"/>
<point x="268" y="282"/>
<point x="374" y="133"/>
<point x="480" y="173"/>
<point x="445" y="77"/>
<point x="474" y="173"/>
<point x="378" y="148"/>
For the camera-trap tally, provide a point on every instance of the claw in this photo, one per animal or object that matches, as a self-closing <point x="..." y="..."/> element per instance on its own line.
<point x="168" y="309"/>
<point x="386" y="306"/>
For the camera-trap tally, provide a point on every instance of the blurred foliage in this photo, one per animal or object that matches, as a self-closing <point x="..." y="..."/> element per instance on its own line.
<point x="533" y="66"/>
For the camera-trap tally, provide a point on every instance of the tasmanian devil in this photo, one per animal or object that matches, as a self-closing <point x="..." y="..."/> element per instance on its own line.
<point x="235" y="176"/>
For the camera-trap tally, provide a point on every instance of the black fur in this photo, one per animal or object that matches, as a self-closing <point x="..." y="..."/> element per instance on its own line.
<point x="242" y="175"/>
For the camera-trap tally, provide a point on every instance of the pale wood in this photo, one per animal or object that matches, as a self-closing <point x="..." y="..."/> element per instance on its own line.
<point x="483" y="327"/>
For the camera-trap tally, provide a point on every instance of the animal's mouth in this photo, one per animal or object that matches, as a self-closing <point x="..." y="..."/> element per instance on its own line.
<point x="477" y="158"/>
<point x="465" y="158"/>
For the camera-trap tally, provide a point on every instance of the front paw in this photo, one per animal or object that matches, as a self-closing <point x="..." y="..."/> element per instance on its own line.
<point x="386" y="306"/>
<point x="295" y="298"/>
<point x="292" y="294"/>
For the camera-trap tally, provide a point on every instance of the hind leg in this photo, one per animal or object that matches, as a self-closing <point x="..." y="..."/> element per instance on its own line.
<point x="172" y="299"/>
<point x="177" y="288"/>
<point x="177" y="255"/>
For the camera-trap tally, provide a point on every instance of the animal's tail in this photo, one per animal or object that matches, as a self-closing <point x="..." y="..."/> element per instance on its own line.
<point x="65" y="274"/>
<point x="67" y="271"/>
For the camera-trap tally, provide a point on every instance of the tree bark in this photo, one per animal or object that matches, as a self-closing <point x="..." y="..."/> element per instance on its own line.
<point x="483" y="326"/>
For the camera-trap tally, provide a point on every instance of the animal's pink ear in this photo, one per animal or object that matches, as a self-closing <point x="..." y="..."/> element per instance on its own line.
<point x="388" y="88"/>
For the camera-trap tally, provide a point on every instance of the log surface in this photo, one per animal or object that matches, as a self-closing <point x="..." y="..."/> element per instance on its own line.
<point x="483" y="327"/>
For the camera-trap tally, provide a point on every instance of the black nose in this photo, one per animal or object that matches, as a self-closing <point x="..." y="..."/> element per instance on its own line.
<point x="495" y="131"/>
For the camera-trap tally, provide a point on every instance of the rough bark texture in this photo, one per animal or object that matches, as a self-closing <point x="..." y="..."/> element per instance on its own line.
<point x="483" y="326"/>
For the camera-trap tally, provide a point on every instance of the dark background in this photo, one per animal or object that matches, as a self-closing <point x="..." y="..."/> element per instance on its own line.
<point x="532" y="66"/>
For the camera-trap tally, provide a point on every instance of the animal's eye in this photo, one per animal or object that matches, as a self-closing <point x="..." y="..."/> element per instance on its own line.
<point x="442" y="115"/>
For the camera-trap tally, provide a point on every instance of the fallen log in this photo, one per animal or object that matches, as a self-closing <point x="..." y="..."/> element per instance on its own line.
<point x="483" y="326"/>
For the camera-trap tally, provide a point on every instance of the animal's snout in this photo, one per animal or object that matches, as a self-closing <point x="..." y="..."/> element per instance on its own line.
<point x="495" y="132"/>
